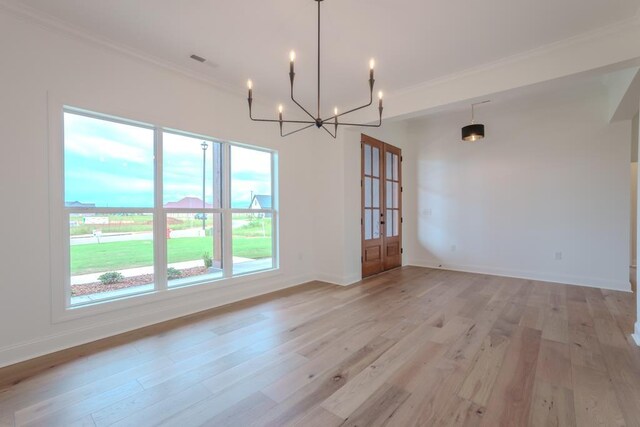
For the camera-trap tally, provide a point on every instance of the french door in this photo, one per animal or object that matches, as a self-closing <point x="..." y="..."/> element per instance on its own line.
<point x="381" y="182"/>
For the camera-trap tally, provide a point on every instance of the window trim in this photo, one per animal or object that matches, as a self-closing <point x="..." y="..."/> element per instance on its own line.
<point x="60" y="277"/>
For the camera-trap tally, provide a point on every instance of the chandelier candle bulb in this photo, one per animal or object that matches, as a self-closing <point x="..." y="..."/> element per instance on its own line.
<point x="280" y="112"/>
<point x="292" y="58"/>
<point x="250" y="87"/>
<point x="380" y="97"/>
<point x="372" y="64"/>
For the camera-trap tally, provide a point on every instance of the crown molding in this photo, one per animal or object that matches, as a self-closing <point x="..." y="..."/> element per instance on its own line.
<point x="46" y="21"/>
<point x="616" y="27"/>
<point x="31" y="15"/>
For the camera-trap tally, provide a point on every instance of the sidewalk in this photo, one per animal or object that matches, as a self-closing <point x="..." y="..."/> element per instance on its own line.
<point x="240" y="266"/>
<point x="139" y="271"/>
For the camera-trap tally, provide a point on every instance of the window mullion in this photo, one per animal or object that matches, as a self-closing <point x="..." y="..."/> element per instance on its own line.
<point x="275" y="187"/>
<point x="160" y="219"/>
<point x="227" y="220"/>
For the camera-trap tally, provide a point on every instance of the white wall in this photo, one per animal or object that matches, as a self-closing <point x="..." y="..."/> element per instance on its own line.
<point x="550" y="177"/>
<point x="634" y="214"/>
<point x="634" y="190"/>
<point x="38" y="64"/>
<point x="636" y="145"/>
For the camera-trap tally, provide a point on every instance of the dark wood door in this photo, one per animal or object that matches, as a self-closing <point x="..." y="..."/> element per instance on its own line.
<point x="381" y="182"/>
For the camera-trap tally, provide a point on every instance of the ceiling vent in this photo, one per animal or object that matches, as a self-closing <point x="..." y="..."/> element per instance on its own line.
<point x="198" y="58"/>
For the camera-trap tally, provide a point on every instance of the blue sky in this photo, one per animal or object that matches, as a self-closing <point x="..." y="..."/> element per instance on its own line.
<point x="111" y="164"/>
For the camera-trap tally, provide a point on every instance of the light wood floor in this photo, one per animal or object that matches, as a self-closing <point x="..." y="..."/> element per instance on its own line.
<point x="410" y="347"/>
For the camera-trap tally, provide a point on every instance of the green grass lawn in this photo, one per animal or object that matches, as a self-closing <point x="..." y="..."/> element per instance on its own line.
<point x="257" y="227"/>
<point x="111" y="256"/>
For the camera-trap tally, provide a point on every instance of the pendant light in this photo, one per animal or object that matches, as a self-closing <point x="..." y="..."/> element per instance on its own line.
<point x="473" y="132"/>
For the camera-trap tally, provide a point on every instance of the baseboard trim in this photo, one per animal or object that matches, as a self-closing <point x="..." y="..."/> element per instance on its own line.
<point x="143" y="316"/>
<point x="636" y="336"/>
<point x="623" y="286"/>
<point x="337" y="280"/>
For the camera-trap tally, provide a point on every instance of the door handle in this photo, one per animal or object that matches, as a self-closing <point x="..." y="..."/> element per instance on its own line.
<point x="381" y="222"/>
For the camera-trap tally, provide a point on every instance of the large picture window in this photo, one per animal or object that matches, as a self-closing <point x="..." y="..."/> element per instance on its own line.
<point x="150" y="209"/>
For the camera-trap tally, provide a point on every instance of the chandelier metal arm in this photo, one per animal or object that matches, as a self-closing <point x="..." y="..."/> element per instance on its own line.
<point x="357" y="108"/>
<point x="296" y="102"/>
<point x="295" y="131"/>
<point x="329" y="132"/>
<point x="306" y="122"/>
<point x="364" y="125"/>
<point x="283" y="121"/>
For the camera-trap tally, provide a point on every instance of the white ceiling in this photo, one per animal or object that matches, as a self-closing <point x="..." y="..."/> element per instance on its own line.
<point x="541" y="95"/>
<point x="413" y="41"/>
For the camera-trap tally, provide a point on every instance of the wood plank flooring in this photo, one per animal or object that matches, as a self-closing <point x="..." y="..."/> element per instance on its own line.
<point x="412" y="347"/>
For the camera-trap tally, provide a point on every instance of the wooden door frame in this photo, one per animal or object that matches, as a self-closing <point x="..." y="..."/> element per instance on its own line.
<point x="371" y="267"/>
<point x="381" y="145"/>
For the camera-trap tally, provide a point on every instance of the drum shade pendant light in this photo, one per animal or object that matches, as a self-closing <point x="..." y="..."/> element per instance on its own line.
<point x="329" y="124"/>
<point x="473" y="132"/>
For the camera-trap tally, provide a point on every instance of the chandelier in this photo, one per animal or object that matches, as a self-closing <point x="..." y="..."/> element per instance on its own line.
<point x="317" y="120"/>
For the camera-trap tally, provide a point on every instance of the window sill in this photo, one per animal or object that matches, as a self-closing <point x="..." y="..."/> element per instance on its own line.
<point x="97" y="306"/>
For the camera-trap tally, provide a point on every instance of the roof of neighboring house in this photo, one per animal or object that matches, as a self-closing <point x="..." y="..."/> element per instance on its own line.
<point x="187" y="203"/>
<point x="77" y="204"/>
<point x="263" y="200"/>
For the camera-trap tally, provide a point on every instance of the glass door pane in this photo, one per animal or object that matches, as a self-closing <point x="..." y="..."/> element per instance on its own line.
<point x="392" y="194"/>
<point x="372" y="197"/>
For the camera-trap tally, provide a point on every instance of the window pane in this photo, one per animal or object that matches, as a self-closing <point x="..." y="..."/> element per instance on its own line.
<point x="376" y="223"/>
<point x="192" y="177"/>
<point x="396" y="194"/>
<point x="367" y="192"/>
<point x="396" y="222"/>
<point x="376" y="193"/>
<point x="194" y="247"/>
<point x="250" y="178"/>
<point x="389" y="194"/>
<point x="252" y="242"/>
<point x="376" y="162"/>
<point x="389" y="167"/>
<point x="367" y="159"/>
<point x="111" y="255"/>
<point x="367" y="224"/>
<point x="107" y="164"/>
<point x="389" y="223"/>
<point x="396" y="167"/>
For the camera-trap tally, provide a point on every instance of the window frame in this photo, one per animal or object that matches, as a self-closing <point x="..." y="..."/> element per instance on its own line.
<point x="62" y="307"/>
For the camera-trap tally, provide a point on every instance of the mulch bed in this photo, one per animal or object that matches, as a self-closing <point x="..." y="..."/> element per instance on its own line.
<point x="128" y="282"/>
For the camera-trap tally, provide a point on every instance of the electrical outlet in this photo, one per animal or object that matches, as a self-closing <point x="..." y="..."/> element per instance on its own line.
<point x="558" y="256"/>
